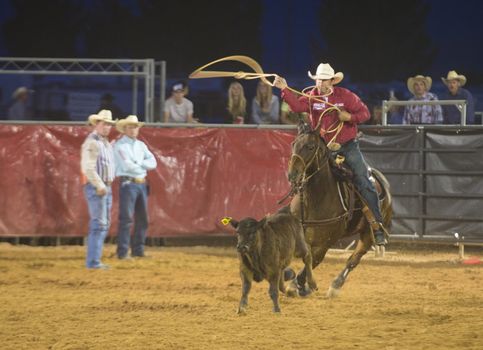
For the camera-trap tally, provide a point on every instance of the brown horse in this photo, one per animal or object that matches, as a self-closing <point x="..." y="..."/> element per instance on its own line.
<point x="324" y="213"/>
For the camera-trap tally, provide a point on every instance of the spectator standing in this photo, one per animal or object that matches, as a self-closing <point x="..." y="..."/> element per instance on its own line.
<point x="419" y="86"/>
<point x="237" y="104"/>
<point x="177" y="108"/>
<point x="20" y="109"/>
<point x="107" y="103"/>
<point x="451" y="114"/>
<point x="265" y="105"/>
<point x="98" y="169"/>
<point x="133" y="160"/>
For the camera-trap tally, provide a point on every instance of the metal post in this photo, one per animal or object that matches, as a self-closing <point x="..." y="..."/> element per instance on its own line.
<point x="463" y="114"/>
<point x="162" y="89"/>
<point x="152" y="78"/>
<point x="461" y="250"/>
<point x="146" y="71"/>
<point x="384" y="112"/>
<point x="135" y="91"/>
<point x="422" y="181"/>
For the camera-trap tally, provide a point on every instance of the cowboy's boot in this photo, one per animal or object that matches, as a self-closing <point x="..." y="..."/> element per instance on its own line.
<point x="379" y="237"/>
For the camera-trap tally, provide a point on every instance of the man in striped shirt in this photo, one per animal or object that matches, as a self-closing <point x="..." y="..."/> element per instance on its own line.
<point x="98" y="168"/>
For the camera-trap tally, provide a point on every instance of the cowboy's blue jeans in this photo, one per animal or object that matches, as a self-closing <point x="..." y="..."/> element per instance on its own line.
<point x="355" y="160"/>
<point x="100" y="220"/>
<point x="133" y="206"/>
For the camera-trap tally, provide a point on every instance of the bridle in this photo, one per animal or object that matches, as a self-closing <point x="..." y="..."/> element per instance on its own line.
<point x="306" y="165"/>
<point x="300" y="186"/>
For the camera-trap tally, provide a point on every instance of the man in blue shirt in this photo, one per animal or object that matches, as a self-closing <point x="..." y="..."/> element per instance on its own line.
<point x="451" y="114"/>
<point x="133" y="160"/>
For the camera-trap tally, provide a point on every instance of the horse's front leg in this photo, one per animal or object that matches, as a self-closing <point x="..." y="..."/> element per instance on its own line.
<point x="298" y="286"/>
<point x="362" y="247"/>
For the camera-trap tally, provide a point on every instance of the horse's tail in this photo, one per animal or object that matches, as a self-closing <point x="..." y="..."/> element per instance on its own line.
<point x="386" y="205"/>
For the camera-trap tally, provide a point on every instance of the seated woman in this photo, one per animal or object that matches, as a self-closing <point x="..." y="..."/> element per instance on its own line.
<point x="265" y="106"/>
<point x="237" y="104"/>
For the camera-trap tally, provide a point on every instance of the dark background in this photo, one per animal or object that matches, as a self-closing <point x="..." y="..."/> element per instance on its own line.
<point x="377" y="44"/>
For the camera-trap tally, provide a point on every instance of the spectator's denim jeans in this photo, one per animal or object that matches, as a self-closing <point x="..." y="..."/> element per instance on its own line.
<point x="100" y="220"/>
<point x="355" y="160"/>
<point x="133" y="206"/>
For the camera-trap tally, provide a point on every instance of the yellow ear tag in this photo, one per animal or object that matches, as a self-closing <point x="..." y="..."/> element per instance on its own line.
<point x="226" y="220"/>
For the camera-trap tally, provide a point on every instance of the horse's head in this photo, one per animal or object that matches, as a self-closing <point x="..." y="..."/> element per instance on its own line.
<point x="308" y="151"/>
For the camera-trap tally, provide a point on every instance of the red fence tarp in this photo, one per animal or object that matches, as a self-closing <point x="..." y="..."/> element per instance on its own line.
<point x="202" y="175"/>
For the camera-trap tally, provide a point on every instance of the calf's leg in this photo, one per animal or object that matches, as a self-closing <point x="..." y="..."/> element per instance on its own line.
<point x="246" y="286"/>
<point x="274" y="281"/>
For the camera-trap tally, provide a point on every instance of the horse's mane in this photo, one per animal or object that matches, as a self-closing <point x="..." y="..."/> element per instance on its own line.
<point x="304" y="128"/>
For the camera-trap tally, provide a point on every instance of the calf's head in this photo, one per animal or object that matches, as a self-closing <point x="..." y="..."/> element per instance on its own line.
<point x="246" y="230"/>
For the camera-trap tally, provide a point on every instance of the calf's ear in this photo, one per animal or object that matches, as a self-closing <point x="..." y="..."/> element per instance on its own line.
<point x="234" y="223"/>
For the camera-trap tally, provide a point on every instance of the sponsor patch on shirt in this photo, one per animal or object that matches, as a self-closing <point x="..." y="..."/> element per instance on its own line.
<point x="318" y="106"/>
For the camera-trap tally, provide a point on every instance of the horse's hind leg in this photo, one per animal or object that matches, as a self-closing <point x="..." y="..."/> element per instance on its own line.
<point x="362" y="247"/>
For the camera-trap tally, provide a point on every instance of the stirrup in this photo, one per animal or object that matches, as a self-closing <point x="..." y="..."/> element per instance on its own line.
<point x="379" y="238"/>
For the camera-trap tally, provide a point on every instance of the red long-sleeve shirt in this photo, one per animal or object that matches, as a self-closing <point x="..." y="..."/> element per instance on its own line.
<point x="342" y="98"/>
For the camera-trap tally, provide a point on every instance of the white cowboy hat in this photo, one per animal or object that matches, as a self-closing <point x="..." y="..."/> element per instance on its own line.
<point x="452" y="75"/>
<point x="129" y="120"/>
<point x="103" y="116"/>
<point x="21" y="90"/>
<point x="325" y="71"/>
<point x="426" y="80"/>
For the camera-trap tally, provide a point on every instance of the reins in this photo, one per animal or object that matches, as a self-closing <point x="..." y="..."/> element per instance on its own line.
<point x="301" y="189"/>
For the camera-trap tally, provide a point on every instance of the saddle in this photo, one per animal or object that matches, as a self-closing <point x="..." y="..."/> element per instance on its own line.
<point x="344" y="174"/>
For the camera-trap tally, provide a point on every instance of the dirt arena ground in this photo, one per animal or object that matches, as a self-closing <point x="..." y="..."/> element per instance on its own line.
<point x="186" y="298"/>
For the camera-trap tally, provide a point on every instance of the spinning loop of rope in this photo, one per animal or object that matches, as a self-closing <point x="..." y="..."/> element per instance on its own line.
<point x="258" y="73"/>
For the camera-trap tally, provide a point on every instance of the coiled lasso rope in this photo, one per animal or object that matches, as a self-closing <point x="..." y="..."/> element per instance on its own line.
<point x="258" y="73"/>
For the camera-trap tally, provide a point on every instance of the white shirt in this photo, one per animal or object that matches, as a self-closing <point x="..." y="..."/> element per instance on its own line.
<point x="178" y="113"/>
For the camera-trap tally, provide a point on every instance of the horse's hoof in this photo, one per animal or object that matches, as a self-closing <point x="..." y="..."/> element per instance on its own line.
<point x="332" y="292"/>
<point x="304" y="291"/>
<point x="292" y="292"/>
<point x="276" y="310"/>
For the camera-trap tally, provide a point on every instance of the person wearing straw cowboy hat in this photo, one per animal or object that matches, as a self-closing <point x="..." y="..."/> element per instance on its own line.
<point x="351" y="111"/>
<point x="133" y="160"/>
<point x="455" y="83"/>
<point x="419" y="86"/>
<point x="98" y="169"/>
